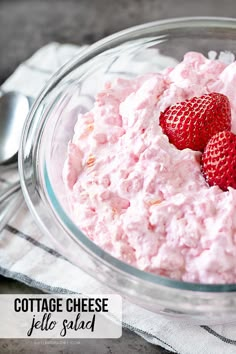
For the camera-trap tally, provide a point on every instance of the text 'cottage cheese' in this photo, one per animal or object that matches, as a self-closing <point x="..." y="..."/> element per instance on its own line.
<point x="140" y="198"/>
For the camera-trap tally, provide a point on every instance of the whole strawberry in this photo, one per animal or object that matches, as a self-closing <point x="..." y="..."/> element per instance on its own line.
<point x="219" y="160"/>
<point x="191" y="123"/>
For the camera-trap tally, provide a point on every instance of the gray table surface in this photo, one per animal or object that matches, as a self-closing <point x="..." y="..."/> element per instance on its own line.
<point x="25" y="26"/>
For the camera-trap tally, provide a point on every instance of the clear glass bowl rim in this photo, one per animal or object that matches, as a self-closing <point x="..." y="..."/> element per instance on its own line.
<point x="87" y="54"/>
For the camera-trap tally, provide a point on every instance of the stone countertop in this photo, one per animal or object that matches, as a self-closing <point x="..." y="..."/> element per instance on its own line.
<point x="25" y="26"/>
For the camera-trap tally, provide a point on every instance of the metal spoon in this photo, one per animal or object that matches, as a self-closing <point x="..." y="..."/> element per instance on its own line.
<point x="14" y="108"/>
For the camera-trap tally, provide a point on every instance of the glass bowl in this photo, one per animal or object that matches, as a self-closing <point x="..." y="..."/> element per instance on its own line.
<point x="50" y="126"/>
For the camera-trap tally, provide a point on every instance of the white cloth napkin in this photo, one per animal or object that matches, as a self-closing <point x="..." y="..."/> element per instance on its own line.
<point x="29" y="256"/>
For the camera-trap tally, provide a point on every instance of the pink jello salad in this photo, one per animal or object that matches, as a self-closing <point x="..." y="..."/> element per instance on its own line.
<point x="140" y="198"/>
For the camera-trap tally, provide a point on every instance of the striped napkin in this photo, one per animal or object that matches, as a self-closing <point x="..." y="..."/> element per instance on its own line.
<point x="30" y="257"/>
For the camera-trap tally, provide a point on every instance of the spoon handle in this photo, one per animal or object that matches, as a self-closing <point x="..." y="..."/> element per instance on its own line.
<point x="10" y="209"/>
<point x="9" y="191"/>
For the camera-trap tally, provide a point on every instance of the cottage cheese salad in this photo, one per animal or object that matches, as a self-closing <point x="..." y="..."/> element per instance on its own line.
<point x="150" y="172"/>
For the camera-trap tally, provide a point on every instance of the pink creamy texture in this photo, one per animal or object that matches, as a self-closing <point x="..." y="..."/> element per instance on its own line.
<point x="140" y="198"/>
